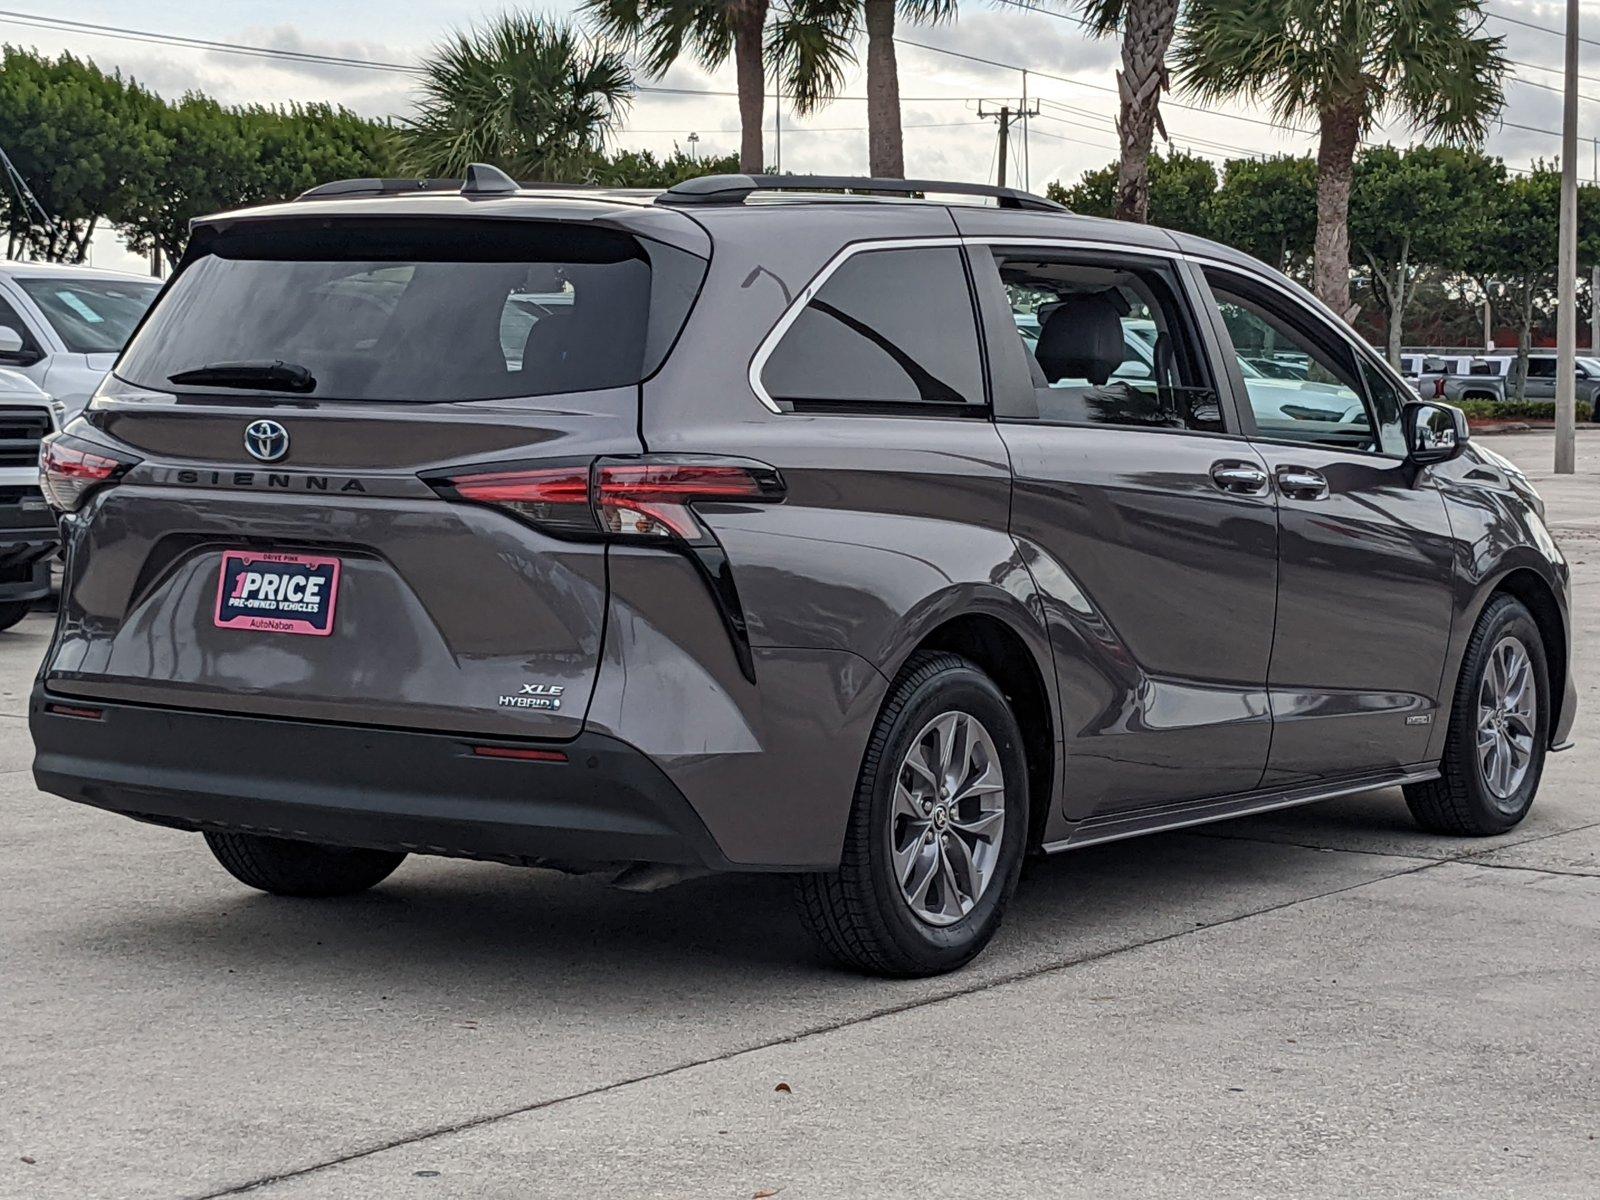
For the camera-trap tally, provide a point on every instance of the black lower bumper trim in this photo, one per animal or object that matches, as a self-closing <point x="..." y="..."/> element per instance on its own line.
<point x="425" y="793"/>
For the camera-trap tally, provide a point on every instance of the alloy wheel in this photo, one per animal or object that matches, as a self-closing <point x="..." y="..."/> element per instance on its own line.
<point x="1508" y="707"/>
<point x="947" y="819"/>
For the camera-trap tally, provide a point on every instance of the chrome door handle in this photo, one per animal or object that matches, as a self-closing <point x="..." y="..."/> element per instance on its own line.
<point x="1240" y="478"/>
<point x="1302" y="483"/>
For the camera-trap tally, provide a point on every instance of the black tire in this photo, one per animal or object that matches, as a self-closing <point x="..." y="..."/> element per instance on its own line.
<point x="289" y="868"/>
<point x="13" y="611"/>
<point x="858" y="914"/>
<point x="1460" y="802"/>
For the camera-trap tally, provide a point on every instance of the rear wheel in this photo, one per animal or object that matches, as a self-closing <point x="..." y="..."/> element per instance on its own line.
<point x="289" y="868"/>
<point x="937" y="830"/>
<point x="13" y="611"/>
<point x="1499" y="728"/>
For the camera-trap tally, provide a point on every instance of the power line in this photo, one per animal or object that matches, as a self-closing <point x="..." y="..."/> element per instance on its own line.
<point x="1535" y="25"/>
<point x="122" y="33"/>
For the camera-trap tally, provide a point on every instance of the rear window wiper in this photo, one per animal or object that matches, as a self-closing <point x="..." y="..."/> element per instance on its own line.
<point x="276" y="375"/>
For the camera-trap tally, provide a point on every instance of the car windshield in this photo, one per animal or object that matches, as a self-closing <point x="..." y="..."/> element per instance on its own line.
<point x="91" y="316"/>
<point x="425" y="311"/>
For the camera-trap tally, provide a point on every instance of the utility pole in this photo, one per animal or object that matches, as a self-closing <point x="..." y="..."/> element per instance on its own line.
<point x="1007" y="116"/>
<point x="1594" y="310"/>
<point x="694" y="146"/>
<point x="1567" y="277"/>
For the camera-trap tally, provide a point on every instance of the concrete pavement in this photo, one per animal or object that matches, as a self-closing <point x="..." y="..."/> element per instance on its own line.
<point x="1317" y="1003"/>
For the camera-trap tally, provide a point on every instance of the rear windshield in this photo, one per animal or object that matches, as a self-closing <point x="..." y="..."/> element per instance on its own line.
<point x="91" y="316"/>
<point x="402" y="310"/>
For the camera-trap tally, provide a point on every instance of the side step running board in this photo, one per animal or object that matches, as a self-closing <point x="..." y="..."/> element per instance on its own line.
<point x="1112" y="827"/>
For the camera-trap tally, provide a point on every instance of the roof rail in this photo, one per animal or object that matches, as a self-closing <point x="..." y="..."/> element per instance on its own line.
<point x="378" y="187"/>
<point x="734" y="189"/>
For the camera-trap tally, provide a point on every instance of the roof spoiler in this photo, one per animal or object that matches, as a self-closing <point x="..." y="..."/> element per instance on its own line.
<point x="735" y="189"/>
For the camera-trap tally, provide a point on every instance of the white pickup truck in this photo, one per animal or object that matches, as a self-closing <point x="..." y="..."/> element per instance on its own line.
<point x="28" y="536"/>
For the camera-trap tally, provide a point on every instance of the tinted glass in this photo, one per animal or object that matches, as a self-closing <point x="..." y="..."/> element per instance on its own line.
<point x="1541" y="368"/>
<point x="1324" y="405"/>
<point x="1107" y="344"/>
<point x="888" y="327"/>
<point x="450" y="310"/>
<point x="91" y="316"/>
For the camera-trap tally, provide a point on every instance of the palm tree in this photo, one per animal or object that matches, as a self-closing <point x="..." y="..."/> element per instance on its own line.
<point x="1147" y="29"/>
<point x="812" y="41"/>
<point x="712" y="30"/>
<point x="1343" y="62"/>
<point x="524" y="92"/>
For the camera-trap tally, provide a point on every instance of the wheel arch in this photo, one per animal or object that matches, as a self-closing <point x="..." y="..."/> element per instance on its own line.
<point x="1539" y="598"/>
<point x="995" y="646"/>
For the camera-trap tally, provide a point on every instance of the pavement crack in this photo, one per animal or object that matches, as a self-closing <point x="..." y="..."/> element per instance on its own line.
<point x="471" y="1123"/>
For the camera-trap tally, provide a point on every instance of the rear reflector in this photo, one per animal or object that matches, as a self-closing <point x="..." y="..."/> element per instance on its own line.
<point x="550" y="756"/>
<point x="68" y="710"/>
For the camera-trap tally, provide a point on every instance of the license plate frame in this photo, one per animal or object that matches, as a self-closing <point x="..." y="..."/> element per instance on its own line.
<point x="261" y="606"/>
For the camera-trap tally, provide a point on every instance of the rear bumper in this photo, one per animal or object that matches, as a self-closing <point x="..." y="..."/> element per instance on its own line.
<point x="423" y="793"/>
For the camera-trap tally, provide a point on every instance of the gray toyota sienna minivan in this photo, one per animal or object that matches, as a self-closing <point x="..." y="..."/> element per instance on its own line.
<point x="809" y="525"/>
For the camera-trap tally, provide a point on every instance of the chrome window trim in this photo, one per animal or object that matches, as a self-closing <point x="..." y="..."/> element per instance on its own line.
<point x="769" y="343"/>
<point x="808" y="293"/>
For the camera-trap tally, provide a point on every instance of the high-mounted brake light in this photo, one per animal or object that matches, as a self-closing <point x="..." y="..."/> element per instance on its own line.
<point x="67" y="474"/>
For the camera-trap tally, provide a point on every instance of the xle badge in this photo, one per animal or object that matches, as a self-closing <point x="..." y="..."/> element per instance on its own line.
<point x="535" y="695"/>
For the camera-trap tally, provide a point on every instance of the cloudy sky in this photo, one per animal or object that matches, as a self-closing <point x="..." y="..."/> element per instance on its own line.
<point x="1071" y="75"/>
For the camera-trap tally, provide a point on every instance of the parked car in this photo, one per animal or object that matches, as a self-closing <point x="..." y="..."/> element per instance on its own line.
<point x="67" y="324"/>
<point x="1457" y="383"/>
<point x="778" y="549"/>
<point x="27" y="525"/>
<point x="1541" y="381"/>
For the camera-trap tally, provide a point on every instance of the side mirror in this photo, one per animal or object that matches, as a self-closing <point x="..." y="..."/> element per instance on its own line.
<point x="1435" y="433"/>
<point x="13" y="351"/>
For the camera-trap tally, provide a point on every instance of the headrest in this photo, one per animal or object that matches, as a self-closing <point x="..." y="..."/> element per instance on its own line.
<point x="1081" y="339"/>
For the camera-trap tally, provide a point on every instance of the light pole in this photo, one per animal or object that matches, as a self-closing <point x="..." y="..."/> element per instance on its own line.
<point x="1567" y="278"/>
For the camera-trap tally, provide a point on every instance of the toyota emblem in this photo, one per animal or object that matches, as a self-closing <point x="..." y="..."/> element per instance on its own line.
<point x="266" y="440"/>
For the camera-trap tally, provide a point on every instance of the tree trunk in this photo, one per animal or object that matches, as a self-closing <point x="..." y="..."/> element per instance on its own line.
<point x="749" y="23"/>
<point x="1397" y="303"/>
<point x="1336" y="168"/>
<point x="885" y="147"/>
<point x="1147" y="32"/>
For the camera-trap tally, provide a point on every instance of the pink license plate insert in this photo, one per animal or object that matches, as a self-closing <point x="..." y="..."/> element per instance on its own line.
<point x="277" y="593"/>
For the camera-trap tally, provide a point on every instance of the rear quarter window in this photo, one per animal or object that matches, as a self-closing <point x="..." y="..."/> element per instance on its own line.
<point x="425" y="311"/>
<point x="888" y="328"/>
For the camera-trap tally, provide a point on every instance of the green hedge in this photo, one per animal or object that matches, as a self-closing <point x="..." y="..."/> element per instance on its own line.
<point x="1527" y="410"/>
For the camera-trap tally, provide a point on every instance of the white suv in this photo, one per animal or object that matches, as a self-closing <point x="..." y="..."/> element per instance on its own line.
<point x="64" y="326"/>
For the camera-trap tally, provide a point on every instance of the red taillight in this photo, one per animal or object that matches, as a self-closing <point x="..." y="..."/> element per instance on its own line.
<point x="557" y="496"/>
<point x="652" y="499"/>
<point x="67" y="474"/>
<point x="635" y="498"/>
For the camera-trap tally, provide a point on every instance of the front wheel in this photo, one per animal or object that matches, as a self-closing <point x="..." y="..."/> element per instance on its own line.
<point x="937" y="831"/>
<point x="1499" y="729"/>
